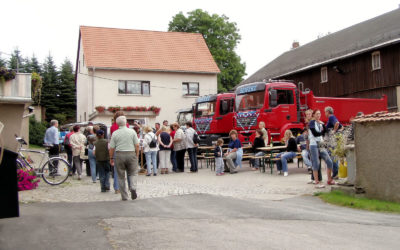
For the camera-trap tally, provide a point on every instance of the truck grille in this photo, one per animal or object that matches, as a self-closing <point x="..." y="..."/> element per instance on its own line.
<point x="246" y="120"/>
<point x="203" y="125"/>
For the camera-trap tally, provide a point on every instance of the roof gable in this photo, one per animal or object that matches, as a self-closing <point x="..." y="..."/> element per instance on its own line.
<point x="378" y="31"/>
<point x="126" y="49"/>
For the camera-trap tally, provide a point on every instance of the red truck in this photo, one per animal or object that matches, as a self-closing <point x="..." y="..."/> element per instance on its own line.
<point x="213" y="117"/>
<point x="281" y="106"/>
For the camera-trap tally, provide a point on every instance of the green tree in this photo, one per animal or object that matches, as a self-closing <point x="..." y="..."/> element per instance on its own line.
<point x="16" y="61"/>
<point x="50" y="88"/>
<point x="3" y="63"/>
<point x="221" y="37"/>
<point x="67" y="91"/>
<point x="32" y="65"/>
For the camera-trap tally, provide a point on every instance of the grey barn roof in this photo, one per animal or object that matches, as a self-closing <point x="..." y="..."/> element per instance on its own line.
<point x="371" y="34"/>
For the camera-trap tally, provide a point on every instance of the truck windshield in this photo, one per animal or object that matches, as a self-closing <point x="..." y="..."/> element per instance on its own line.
<point x="205" y="109"/>
<point x="184" y="117"/>
<point x="250" y="101"/>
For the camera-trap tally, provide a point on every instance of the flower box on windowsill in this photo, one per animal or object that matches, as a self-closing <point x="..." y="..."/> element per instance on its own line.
<point x="129" y="113"/>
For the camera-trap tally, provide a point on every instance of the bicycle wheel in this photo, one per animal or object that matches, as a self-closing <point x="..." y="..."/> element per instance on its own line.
<point x="55" y="171"/>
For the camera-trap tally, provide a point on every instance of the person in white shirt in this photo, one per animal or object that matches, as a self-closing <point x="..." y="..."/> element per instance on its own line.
<point x="191" y="147"/>
<point x="150" y="149"/>
<point x="179" y="147"/>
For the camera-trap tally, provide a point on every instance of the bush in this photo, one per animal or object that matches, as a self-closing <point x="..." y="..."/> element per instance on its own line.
<point x="36" y="131"/>
<point x="61" y="118"/>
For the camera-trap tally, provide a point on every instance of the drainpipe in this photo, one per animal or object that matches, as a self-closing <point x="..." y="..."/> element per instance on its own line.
<point x="93" y="71"/>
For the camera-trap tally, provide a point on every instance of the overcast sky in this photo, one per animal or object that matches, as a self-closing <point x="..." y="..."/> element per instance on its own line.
<point x="268" y="28"/>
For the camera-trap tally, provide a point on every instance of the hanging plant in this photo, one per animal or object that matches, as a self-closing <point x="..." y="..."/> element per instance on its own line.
<point x="36" y="83"/>
<point x="6" y="74"/>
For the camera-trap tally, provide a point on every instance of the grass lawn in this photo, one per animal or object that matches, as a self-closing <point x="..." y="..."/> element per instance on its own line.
<point x="341" y="199"/>
<point x="32" y="146"/>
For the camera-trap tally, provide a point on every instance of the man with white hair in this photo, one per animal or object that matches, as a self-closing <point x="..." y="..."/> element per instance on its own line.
<point x="125" y="144"/>
<point x="51" y="139"/>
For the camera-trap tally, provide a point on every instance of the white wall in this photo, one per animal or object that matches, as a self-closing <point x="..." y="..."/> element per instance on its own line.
<point x="83" y="95"/>
<point x="165" y="91"/>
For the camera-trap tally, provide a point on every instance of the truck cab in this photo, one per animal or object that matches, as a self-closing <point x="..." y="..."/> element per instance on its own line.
<point x="184" y="116"/>
<point x="275" y="103"/>
<point x="281" y="106"/>
<point x="213" y="117"/>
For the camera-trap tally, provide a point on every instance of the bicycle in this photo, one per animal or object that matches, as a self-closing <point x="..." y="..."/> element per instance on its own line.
<point x="54" y="171"/>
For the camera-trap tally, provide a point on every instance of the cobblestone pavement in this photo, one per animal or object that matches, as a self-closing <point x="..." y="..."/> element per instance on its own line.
<point x="245" y="184"/>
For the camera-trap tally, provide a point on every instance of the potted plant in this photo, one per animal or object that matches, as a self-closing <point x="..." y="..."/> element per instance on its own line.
<point x="27" y="179"/>
<point x="339" y="152"/>
<point x="6" y="74"/>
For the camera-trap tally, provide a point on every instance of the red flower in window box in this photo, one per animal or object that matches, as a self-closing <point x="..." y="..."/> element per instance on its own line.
<point x="129" y="108"/>
<point x="114" y="109"/>
<point x="100" y="109"/>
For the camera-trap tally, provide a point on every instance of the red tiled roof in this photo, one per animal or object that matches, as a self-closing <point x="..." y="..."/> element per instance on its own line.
<point x="146" y="50"/>
<point x="379" y="116"/>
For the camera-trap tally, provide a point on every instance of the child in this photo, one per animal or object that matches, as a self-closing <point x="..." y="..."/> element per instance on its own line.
<point x="302" y="140"/>
<point x="219" y="162"/>
<point x="100" y="150"/>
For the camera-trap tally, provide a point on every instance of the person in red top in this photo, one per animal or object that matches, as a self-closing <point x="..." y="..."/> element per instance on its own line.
<point x="173" y="153"/>
<point x="68" y="149"/>
<point x="113" y="128"/>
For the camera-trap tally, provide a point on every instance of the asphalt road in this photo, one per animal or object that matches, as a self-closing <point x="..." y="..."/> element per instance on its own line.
<point x="198" y="221"/>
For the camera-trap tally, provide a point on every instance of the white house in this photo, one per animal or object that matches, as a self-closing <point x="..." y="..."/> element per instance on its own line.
<point x="137" y="68"/>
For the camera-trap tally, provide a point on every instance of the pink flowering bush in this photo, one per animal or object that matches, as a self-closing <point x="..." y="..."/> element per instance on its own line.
<point x="27" y="180"/>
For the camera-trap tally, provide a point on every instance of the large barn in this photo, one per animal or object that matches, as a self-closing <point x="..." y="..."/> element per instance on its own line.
<point x="360" y="61"/>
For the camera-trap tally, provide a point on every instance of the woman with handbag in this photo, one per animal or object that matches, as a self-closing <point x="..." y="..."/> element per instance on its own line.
<point x="316" y="131"/>
<point x="77" y="142"/>
<point x="150" y="149"/>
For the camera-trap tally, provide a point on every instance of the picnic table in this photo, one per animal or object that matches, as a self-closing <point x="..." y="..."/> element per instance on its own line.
<point x="269" y="148"/>
<point x="269" y="156"/>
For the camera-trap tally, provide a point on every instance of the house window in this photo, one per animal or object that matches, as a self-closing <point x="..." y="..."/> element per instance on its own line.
<point x="324" y="74"/>
<point x="190" y="88"/>
<point x="376" y="60"/>
<point x="134" y="87"/>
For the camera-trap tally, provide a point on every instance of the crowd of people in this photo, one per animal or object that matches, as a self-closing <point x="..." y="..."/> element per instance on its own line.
<point x="165" y="146"/>
<point x="310" y="142"/>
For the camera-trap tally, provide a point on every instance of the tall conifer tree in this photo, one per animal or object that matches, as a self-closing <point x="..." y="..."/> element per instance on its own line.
<point x="51" y="88"/>
<point x="67" y="90"/>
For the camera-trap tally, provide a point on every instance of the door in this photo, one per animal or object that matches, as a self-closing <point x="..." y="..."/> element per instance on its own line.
<point x="225" y="115"/>
<point x="283" y="106"/>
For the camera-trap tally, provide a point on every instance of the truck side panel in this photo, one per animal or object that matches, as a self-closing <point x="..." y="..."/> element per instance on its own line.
<point x="347" y="108"/>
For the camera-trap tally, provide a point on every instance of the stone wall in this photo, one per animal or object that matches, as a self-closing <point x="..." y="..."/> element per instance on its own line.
<point x="378" y="159"/>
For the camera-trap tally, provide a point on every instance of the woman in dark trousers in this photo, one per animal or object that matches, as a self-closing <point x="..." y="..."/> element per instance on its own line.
<point x="173" y="153"/>
<point x="316" y="131"/>
<point x="179" y="147"/>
